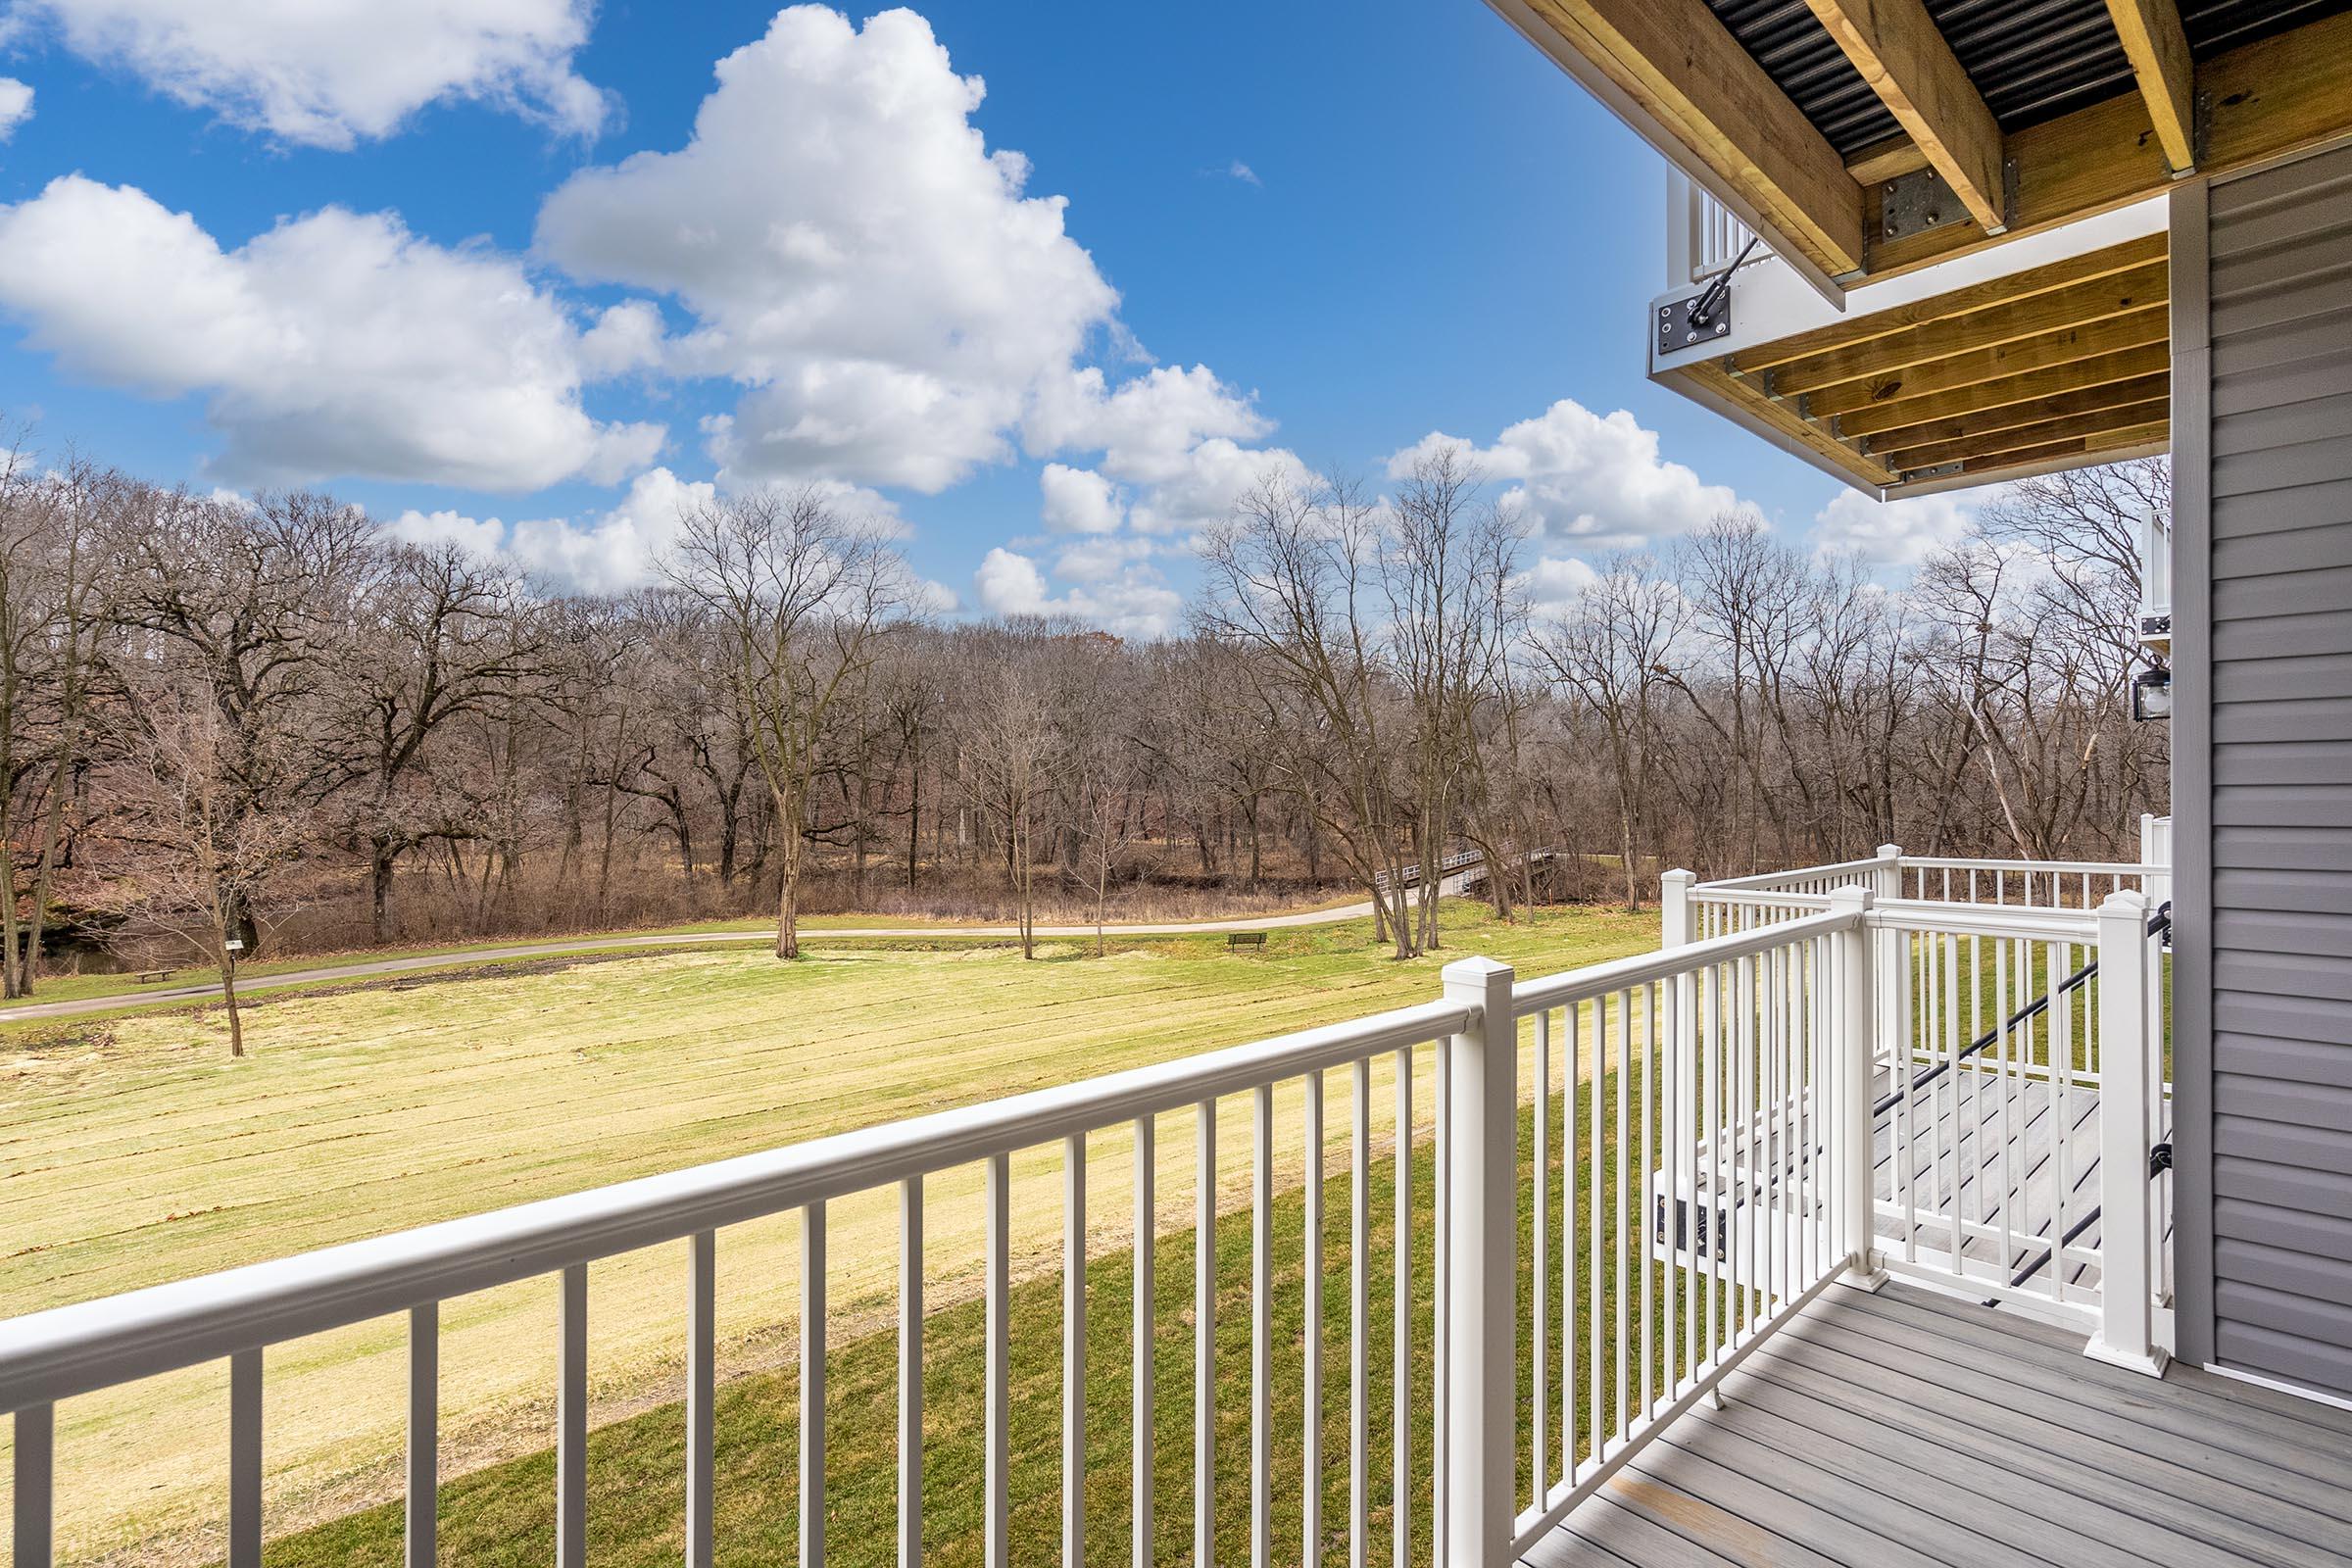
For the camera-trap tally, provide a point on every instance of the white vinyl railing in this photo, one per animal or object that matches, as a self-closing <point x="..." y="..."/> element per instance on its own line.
<point x="2011" y="1094"/>
<point x="1695" y="1124"/>
<point x="1702" y="237"/>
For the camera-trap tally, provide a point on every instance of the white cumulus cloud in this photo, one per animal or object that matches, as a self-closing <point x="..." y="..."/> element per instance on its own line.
<point x="15" y="105"/>
<point x="1174" y="436"/>
<point x="334" y="344"/>
<point x="851" y="251"/>
<point x="1892" y="533"/>
<point x="1134" y="603"/>
<point x="621" y="549"/>
<point x="332" y="73"/>
<point x="1592" y="480"/>
<point x="1078" y="500"/>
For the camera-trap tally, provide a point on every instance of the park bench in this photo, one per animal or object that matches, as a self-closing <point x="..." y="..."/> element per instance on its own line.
<point x="1245" y="939"/>
<point x="148" y="976"/>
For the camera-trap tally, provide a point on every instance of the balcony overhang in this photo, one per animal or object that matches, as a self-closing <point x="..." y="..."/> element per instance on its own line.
<point x="1943" y="379"/>
<point x="1813" y="124"/>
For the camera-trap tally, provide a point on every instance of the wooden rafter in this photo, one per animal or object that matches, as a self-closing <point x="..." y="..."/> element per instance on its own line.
<point x="2029" y="388"/>
<point x="2097" y="422"/>
<point x="2086" y="449"/>
<point x="1682" y="67"/>
<point x="2063" y="347"/>
<point x="2266" y="99"/>
<point x="2074" y="306"/>
<point x="1897" y="440"/>
<point x="2157" y="45"/>
<point x="1896" y="47"/>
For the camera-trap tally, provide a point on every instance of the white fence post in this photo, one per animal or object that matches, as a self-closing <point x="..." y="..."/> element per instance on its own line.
<point x="1857" y="1087"/>
<point x="2156" y="849"/>
<point x="1673" y="907"/>
<point x="1887" y="883"/>
<point x="1481" y="1347"/>
<point x="2126" y="1334"/>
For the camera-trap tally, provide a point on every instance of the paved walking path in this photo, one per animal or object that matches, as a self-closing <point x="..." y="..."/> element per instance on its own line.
<point x="376" y="967"/>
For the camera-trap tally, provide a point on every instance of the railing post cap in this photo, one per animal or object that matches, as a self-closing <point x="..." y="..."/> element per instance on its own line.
<point x="1854" y="900"/>
<point x="1678" y="874"/>
<point x="2124" y="900"/>
<point x="1477" y="972"/>
<point x="1890" y="851"/>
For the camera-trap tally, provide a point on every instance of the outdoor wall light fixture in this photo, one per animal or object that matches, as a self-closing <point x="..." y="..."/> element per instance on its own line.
<point x="2152" y="694"/>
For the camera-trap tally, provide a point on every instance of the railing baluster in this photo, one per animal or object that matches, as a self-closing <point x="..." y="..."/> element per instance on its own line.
<point x="1568" y="1249"/>
<point x="1644" y="1147"/>
<point x="1311" y="1308"/>
<point x="1146" y="1292"/>
<point x="245" y="1460"/>
<point x="1401" y="1322"/>
<point x="1540" y="1261"/>
<point x="1073" y="1352"/>
<point x="812" y="1385"/>
<point x="1618" y="1248"/>
<point x="997" y="1205"/>
<point x="1261" y="1326"/>
<point x="1204" y="1341"/>
<point x="421" y="1518"/>
<point x="910" y="1372"/>
<point x="1596" y="1284"/>
<point x="572" y="1424"/>
<point x="1442" y="1273"/>
<point x="702" y="1297"/>
<point x="1359" y="1314"/>
<point x="33" y="1477"/>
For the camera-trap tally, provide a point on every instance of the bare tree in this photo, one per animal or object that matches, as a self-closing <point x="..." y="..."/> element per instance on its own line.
<point x="806" y="595"/>
<point x="213" y="855"/>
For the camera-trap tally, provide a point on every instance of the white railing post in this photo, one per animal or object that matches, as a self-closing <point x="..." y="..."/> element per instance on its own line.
<point x="1856" y="1161"/>
<point x="1887" y="883"/>
<point x="1481" y="1347"/>
<point x="1673" y="907"/>
<point x="2126" y="1334"/>
<point x="2156" y="849"/>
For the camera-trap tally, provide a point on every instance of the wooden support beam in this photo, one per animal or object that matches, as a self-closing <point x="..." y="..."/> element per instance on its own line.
<point x="2074" y="343"/>
<point x="2014" y="287"/>
<point x="1682" y="67"/>
<point x="2078" y="305"/>
<point x="2082" y="449"/>
<point x="1986" y="422"/>
<point x="1969" y="448"/>
<point x="2268" y="98"/>
<point x="2032" y="387"/>
<point x="2157" y="46"/>
<point x="1897" y="48"/>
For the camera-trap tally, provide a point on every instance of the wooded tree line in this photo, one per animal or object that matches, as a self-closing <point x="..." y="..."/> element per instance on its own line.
<point x="216" y="712"/>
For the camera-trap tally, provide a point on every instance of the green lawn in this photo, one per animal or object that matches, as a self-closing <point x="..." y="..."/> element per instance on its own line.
<point x="135" y="1150"/>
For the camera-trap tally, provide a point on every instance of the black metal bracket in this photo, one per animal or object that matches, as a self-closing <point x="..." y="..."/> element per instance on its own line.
<point x="1684" y="324"/>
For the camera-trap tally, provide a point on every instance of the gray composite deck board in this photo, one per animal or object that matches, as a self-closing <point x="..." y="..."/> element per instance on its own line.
<point x="1907" y="1428"/>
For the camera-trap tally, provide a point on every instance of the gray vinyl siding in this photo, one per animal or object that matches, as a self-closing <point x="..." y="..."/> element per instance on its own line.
<point x="2269" y="459"/>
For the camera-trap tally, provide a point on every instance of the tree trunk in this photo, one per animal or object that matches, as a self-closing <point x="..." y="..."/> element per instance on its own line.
<point x="379" y="883"/>
<point x="229" y="997"/>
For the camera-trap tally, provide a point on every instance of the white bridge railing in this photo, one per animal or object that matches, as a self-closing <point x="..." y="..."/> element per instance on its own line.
<point x="1690" y="1133"/>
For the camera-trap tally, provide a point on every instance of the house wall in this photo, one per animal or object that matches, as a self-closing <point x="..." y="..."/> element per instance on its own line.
<point x="2262" y="420"/>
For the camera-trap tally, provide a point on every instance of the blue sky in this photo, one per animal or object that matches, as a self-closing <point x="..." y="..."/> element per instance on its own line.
<point x="415" y="266"/>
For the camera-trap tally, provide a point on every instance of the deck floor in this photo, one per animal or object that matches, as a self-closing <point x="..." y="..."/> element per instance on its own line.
<point x="1907" y="1428"/>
